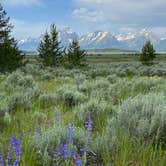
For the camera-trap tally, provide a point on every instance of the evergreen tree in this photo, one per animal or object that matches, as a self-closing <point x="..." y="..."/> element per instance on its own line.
<point x="49" y="49"/>
<point x="148" y="53"/>
<point x="44" y="50"/>
<point x="75" y="55"/>
<point x="5" y="27"/>
<point x="10" y="57"/>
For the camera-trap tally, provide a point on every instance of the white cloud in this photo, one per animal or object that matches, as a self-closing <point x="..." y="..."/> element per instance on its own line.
<point x="89" y="16"/>
<point x="148" y="13"/>
<point x="23" y="2"/>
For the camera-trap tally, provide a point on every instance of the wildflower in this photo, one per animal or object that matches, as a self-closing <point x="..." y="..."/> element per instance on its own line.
<point x="85" y="149"/>
<point x="17" y="144"/>
<point x="73" y="152"/>
<point x="14" y="152"/>
<point x="9" y="155"/>
<point x="78" y="161"/>
<point x="55" y="157"/>
<point x="70" y="133"/>
<point x="65" y="152"/>
<point x="1" y="160"/>
<point x="89" y="127"/>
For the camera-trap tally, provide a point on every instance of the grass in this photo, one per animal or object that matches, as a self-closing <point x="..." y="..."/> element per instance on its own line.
<point x="119" y="150"/>
<point x="120" y="57"/>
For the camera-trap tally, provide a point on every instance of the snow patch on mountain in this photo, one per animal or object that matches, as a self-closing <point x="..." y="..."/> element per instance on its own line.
<point x="101" y="40"/>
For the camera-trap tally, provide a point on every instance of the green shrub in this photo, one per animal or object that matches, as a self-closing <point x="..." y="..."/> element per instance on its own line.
<point x="104" y="148"/>
<point x="19" y="91"/>
<point x="142" y="117"/>
<point x="70" y="95"/>
<point x="145" y="84"/>
<point x="112" y="78"/>
<point x="48" y="140"/>
<point x="17" y="81"/>
<point x="47" y="100"/>
<point x="47" y="76"/>
<point x="97" y="109"/>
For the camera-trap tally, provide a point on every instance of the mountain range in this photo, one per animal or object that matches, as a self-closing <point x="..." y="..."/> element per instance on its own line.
<point x="101" y="40"/>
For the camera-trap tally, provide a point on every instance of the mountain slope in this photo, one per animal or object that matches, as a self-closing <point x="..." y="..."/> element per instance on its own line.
<point x="101" y="40"/>
<point x="98" y="39"/>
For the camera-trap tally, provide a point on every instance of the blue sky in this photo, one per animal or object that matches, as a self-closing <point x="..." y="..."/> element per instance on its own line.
<point x="33" y="17"/>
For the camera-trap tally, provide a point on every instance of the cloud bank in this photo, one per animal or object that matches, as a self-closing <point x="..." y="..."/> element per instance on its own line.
<point x="123" y="13"/>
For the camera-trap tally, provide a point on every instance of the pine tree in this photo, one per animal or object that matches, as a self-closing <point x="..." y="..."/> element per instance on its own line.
<point x="56" y="49"/>
<point x="49" y="49"/>
<point x="148" y="53"/>
<point x="75" y="55"/>
<point x="44" y="50"/>
<point x="10" y="57"/>
<point x="5" y="27"/>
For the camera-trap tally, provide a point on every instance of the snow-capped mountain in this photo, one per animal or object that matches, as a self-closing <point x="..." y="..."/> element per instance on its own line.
<point x="98" y="39"/>
<point x="101" y="40"/>
<point x="136" y="40"/>
<point x="29" y="44"/>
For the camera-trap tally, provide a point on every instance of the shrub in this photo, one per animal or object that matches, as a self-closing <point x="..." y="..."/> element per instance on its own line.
<point x="89" y="86"/>
<point x="70" y="95"/>
<point x="47" y="76"/>
<point x="103" y="147"/>
<point x="3" y="104"/>
<point x="32" y="68"/>
<point x="142" y="117"/>
<point x="97" y="109"/>
<point x="16" y="81"/>
<point x="101" y="84"/>
<point x="79" y="78"/>
<point x="145" y="84"/>
<point x="112" y="78"/>
<point x="50" y="139"/>
<point x="20" y="91"/>
<point x="86" y="86"/>
<point x="47" y="100"/>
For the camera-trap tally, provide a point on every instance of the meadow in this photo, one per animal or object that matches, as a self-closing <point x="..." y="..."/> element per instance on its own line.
<point x="103" y="114"/>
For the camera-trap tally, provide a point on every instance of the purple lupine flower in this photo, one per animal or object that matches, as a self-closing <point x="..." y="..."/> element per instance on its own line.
<point x="16" y="162"/>
<point x="78" y="161"/>
<point x="70" y="133"/>
<point x="55" y="156"/>
<point x="85" y="149"/>
<point x="1" y="160"/>
<point x="9" y="155"/>
<point x="73" y="152"/>
<point x="17" y="146"/>
<point x="64" y="151"/>
<point x="89" y="127"/>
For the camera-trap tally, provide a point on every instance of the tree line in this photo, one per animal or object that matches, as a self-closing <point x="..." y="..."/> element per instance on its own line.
<point x="51" y="52"/>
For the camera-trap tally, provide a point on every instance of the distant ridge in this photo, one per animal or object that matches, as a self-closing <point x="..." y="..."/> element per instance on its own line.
<point x="102" y="40"/>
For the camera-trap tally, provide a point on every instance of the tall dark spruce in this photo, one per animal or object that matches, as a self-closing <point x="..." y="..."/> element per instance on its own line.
<point x="75" y="56"/>
<point x="148" y="53"/>
<point x="10" y="56"/>
<point x="50" y="51"/>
